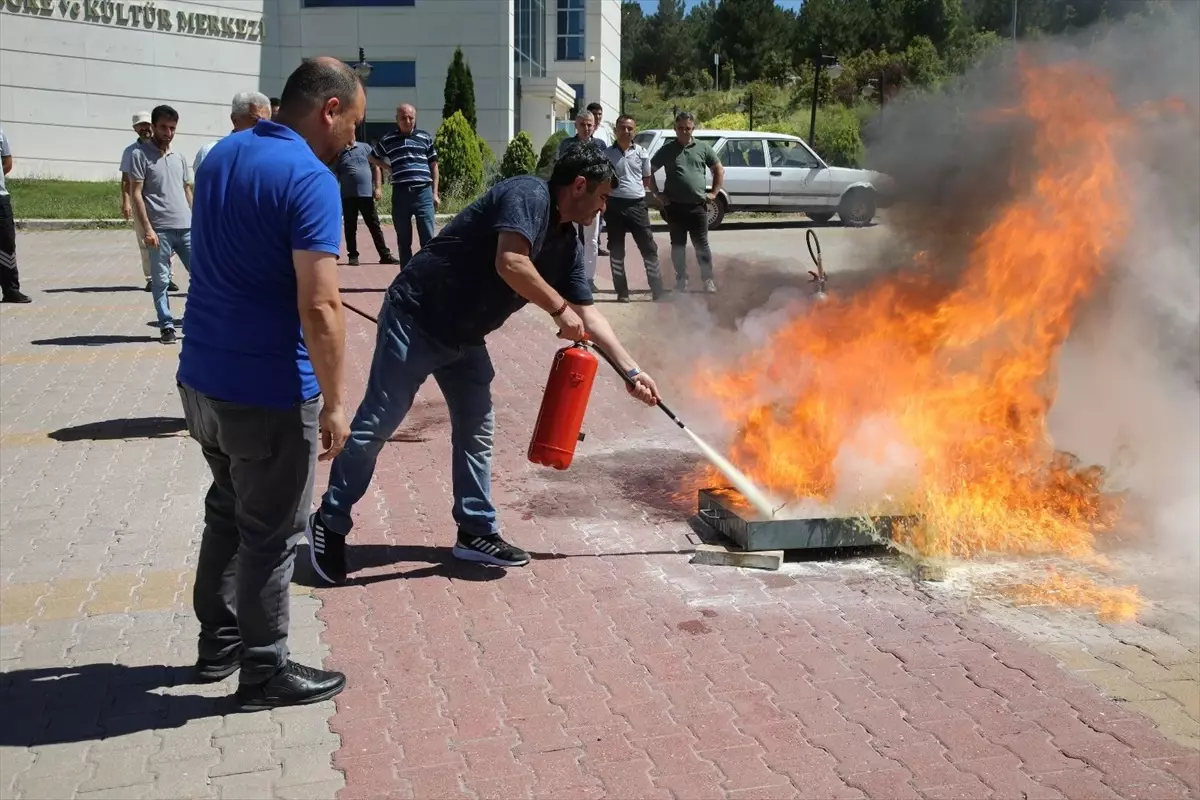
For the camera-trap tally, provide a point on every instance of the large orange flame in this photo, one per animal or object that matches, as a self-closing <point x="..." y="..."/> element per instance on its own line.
<point x="958" y="379"/>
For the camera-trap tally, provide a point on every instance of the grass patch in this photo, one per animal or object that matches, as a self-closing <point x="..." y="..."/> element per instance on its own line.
<point x="34" y="198"/>
<point x="37" y="198"/>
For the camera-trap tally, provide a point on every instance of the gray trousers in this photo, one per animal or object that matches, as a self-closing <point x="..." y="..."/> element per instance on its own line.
<point x="263" y="463"/>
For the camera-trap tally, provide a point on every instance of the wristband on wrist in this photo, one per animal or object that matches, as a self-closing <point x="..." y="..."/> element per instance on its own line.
<point x="561" y="309"/>
<point x="632" y="373"/>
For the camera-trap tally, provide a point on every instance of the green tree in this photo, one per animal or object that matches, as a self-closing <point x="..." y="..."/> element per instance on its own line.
<point x="460" y="162"/>
<point x="519" y="158"/>
<point x="459" y="95"/>
<point x="748" y="33"/>
<point x="922" y="63"/>
<point x="545" y="161"/>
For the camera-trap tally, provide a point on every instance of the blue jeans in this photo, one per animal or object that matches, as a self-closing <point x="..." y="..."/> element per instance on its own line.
<point x="178" y="242"/>
<point x="406" y="204"/>
<point x="404" y="357"/>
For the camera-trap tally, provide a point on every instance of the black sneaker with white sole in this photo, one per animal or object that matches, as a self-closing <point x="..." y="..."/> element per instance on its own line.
<point x="489" y="550"/>
<point x="327" y="550"/>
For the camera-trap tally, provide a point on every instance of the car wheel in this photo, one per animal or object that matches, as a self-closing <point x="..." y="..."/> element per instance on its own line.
<point x="819" y="217"/>
<point x="716" y="212"/>
<point x="858" y="207"/>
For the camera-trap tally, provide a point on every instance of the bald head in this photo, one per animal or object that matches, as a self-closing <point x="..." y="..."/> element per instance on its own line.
<point x="406" y="118"/>
<point x="323" y="101"/>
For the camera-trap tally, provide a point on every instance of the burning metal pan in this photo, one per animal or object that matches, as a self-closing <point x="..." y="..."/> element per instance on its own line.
<point x="725" y="511"/>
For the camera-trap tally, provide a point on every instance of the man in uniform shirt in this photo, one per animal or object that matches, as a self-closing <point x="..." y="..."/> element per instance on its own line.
<point x="361" y="189"/>
<point x="409" y="155"/>
<point x="627" y="210"/>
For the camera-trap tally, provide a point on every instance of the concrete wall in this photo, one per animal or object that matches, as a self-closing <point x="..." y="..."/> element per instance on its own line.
<point x="600" y="70"/>
<point x="73" y="72"/>
<point x="426" y="33"/>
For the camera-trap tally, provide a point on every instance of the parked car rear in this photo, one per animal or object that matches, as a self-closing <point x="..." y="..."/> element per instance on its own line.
<point x="775" y="172"/>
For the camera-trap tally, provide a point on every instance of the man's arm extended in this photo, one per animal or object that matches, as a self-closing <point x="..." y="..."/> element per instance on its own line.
<point x="323" y="322"/>
<point x="600" y="332"/>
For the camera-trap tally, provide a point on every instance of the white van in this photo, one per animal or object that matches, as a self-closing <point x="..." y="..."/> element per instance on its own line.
<point x="775" y="172"/>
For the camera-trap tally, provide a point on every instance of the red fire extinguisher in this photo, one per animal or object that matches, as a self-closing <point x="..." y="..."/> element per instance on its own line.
<point x="563" y="406"/>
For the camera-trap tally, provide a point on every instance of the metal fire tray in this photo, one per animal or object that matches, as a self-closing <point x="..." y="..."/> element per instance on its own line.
<point x="723" y="510"/>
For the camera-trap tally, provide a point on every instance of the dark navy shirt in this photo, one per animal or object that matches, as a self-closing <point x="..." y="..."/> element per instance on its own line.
<point x="409" y="154"/>
<point x="264" y="194"/>
<point x="354" y="171"/>
<point x="451" y="287"/>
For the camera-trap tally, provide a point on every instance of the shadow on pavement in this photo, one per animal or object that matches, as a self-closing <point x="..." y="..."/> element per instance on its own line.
<point x="56" y="705"/>
<point x="95" y="289"/>
<point x="648" y="477"/>
<point x="438" y="561"/>
<point x="93" y="340"/>
<point x="111" y="429"/>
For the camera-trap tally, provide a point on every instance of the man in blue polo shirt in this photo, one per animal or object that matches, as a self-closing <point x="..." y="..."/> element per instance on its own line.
<point x="515" y="245"/>
<point x="261" y="369"/>
<point x="409" y="155"/>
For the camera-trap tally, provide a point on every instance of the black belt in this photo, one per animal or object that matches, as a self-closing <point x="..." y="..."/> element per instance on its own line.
<point x="410" y="187"/>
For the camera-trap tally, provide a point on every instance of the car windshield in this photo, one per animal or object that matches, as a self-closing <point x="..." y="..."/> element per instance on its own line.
<point x="644" y="139"/>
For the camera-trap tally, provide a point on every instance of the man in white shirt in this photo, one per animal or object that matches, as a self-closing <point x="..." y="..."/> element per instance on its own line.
<point x="627" y="212"/>
<point x="585" y="132"/>
<point x="143" y="129"/>
<point x="247" y="109"/>
<point x="603" y="135"/>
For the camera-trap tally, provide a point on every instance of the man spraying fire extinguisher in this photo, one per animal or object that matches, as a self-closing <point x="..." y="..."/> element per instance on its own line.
<point x="515" y="245"/>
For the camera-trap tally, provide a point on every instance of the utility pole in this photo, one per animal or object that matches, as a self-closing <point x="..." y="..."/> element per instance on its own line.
<point x="716" y="72"/>
<point x="1014" y="20"/>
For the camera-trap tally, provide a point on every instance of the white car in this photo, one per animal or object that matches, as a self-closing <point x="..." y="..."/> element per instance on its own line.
<point x="780" y="173"/>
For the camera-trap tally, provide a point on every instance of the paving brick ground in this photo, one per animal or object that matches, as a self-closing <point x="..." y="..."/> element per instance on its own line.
<point x="610" y="667"/>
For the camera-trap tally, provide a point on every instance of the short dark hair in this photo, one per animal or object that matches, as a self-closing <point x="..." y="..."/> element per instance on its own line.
<point x="274" y="101"/>
<point x="163" y="112"/>
<point x="624" y="117"/>
<point x="314" y="82"/>
<point x="594" y="107"/>
<point x="685" y="116"/>
<point x="587" y="160"/>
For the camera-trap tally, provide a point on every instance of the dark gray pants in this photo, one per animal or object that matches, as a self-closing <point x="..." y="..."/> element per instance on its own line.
<point x="630" y="216"/>
<point x="263" y="462"/>
<point x="684" y="221"/>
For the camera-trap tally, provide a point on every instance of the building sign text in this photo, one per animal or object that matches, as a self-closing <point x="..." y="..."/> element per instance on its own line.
<point x="148" y="16"/>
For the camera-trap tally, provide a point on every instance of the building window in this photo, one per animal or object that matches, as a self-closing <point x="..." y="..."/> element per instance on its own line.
<point x="401" y="74"/>
<point x="529" y="39"/>
<point x="570" y="34"/>
<point x="580" y="102"/>
<point x="356" y="3"/>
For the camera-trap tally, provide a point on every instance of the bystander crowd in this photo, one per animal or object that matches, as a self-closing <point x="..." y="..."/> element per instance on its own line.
<point x="261" y="371"/>
<point x="408" y="154"/>
<point x="10" y="276"/>
<point x="162" y="203"/>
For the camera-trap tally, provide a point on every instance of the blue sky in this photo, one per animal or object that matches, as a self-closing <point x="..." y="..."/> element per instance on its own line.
<point x="650" y="6"/>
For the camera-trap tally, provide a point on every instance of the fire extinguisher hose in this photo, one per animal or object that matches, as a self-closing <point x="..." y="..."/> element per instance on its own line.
<point x="632" y="383"/>
<point x="593" y="345"/>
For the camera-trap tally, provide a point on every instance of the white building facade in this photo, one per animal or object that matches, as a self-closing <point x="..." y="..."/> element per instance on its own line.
<point x="72" y="72"/>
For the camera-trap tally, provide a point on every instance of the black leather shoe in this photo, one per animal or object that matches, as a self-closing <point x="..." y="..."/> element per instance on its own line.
<point x="294" y="685"/>
<point x="216" y="670"/>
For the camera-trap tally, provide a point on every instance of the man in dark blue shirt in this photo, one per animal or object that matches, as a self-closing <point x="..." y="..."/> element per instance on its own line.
<point x="261" y="368"/>
<point x="409" y="155"/>
<point x="515" y="245"/>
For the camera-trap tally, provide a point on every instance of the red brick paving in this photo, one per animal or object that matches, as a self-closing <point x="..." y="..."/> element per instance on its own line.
<point x="611" y="667"/>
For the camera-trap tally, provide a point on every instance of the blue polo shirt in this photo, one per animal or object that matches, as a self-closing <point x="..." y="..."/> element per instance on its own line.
<point x="264" y="194"/>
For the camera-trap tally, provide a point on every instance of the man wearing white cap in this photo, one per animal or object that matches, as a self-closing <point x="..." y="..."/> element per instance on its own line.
<point x="143" y="128"/>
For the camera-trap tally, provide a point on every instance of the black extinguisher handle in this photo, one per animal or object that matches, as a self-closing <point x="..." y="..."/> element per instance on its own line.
<point x="632" y="383"/>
